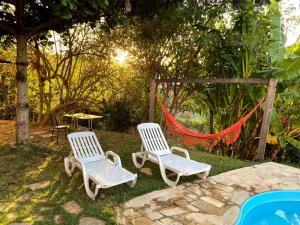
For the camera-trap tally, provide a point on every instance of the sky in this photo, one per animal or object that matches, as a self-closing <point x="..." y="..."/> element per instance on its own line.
<point x="291" y="20"/>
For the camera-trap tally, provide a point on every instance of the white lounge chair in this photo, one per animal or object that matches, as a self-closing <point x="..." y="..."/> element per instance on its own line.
<point x="95" y="165"/>
<point x="155" y="148"/>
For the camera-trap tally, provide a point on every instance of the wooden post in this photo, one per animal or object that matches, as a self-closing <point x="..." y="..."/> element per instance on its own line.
<point x="152" y="100"/>
<point x="266" y="120"/>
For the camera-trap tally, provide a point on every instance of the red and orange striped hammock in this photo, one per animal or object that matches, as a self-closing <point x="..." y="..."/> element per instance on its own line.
<point x="207" y="141"/>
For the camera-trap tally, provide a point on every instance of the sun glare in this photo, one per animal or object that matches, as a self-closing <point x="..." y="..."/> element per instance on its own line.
<point x="290" y="18"/>
<point x="121" y="56"/>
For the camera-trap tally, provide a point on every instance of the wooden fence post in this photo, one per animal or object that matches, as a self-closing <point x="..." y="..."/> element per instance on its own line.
<point x="152" y="100"/>
<point x="266" y="120"/>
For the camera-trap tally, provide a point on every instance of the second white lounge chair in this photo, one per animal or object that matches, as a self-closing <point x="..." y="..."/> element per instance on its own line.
<point x="155" y="148"/>
<point x="95" y="165"/>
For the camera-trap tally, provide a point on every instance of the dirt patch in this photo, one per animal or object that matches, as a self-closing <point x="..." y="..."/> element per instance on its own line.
<point x="7" y="132"/>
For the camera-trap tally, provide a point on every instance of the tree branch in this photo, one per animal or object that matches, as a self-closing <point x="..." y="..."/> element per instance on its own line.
<point x="12" y="2"/>
<point x="19" y="12"/>
<point x="9" y="28"/>
<point x="44" y="25"/>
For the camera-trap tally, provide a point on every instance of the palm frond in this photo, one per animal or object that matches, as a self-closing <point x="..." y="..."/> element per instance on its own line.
<point x="293" y="142"/>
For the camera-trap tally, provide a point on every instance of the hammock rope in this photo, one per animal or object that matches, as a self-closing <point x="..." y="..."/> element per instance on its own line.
<point x="208" y="141"/>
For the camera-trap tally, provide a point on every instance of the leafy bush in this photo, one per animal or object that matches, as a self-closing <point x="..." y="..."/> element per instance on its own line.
<point x="118" y="115"/>
<point x="292" y="155"/>
<point x="8" y="112"/>
<point x="7" y="97"/>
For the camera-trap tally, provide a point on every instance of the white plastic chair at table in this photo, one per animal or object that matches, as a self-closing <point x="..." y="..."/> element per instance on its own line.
<point x="155" y="149"/>
<point x="88" y="156"/>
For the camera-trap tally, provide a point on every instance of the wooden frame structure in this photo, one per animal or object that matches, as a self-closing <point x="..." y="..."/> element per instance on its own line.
<point x="5" y="61"/>
<point x="272" y="83"/>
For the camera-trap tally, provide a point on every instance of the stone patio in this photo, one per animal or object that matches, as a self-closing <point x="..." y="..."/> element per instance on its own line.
<point x="214" y="201"/>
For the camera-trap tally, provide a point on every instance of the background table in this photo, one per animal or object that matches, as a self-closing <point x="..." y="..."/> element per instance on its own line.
<point x="83" y="116"/>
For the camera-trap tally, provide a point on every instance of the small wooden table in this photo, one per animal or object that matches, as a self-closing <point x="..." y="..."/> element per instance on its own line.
<point x="83" y="116"/>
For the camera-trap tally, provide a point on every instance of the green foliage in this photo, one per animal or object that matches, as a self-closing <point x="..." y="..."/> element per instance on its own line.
<point x="277" y="40"/>
<point x="7" y="97"/>
<point x="277" y="128"/>
<point x="286" y="116"/>
<point x="118" y="115"/>
<point x="291" y="64"/>
<point x="7" y="86"/>
<point x="48" y="15"/>
<point x="290" y="155"/>
<point x="294" y="142"/>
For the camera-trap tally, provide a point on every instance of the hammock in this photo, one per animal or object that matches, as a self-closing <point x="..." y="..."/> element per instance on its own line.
<point x="208" y="141"/>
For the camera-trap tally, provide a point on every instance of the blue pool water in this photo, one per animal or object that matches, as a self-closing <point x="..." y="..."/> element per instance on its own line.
<point x="271" y="208"/>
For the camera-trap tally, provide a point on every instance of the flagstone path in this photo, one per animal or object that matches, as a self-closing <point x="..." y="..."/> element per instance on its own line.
<point x="214" y="201"/>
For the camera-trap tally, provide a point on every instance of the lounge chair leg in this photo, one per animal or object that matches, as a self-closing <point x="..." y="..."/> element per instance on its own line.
<point x="96" y="192"/>
<point x="166" y="179"/>
<point x="135" y="162"/>
<point x="69" y="164"/>
<point x="89" y="192"/>
<point x="203" y="175"/>
<point x="57" y="136"/>
<point x="52" y="135"/>
<point x="132" y="183"/>
<point x="170" y="182"/>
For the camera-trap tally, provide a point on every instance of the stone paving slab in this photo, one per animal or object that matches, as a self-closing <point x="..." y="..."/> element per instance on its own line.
<point x="90" y="221"/>
<point x="214" y="201"/>
<point x="39" y="185"/>
<point x="72" y="207"/>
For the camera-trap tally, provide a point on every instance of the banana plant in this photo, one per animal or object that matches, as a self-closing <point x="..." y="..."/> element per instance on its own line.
<point x="288" y="99"/>
<point x="287" y="71"/>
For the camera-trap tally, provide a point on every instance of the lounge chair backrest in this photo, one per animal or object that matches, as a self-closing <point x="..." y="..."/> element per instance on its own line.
<point x="85" y="146"/>
<point x="153" y="138"/>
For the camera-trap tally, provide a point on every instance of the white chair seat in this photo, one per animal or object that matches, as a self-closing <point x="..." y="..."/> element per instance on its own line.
<point x="185" y="166"/>
<point x="105" y="174"/>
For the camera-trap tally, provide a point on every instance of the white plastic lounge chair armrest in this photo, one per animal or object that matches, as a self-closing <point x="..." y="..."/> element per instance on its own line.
<point x="117" y="160"/>
<point x="186" y="153"/>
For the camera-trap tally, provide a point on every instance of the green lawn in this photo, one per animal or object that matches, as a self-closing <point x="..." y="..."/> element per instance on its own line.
<point x="20" y="167"/>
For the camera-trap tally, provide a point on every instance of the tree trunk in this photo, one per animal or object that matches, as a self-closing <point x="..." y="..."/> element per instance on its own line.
<point x="251" y="146"/>
<point x="22" y="126"/>
<point x="276" y="149"/>
<point x="41" y="104"/>
<point x="41" y="83"/>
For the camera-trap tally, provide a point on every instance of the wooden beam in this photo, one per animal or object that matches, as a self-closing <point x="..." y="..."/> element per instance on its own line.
<point x="152" y="100"/>
<point x="5" y="61"/>
<point x="216" y="80"/>
<point x="266" y="120"/>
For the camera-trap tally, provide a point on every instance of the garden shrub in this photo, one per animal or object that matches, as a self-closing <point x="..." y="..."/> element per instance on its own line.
<point x="118" y="115"/>
<point x="7" y="97"/>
